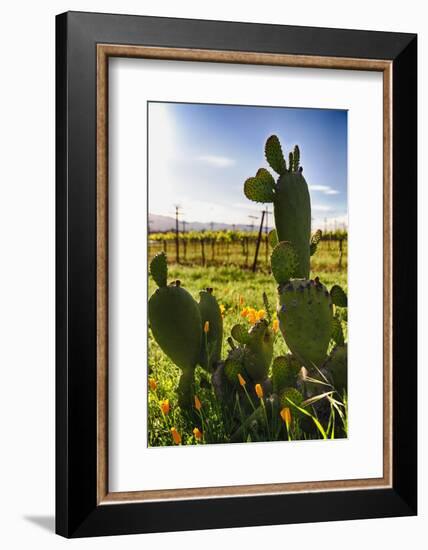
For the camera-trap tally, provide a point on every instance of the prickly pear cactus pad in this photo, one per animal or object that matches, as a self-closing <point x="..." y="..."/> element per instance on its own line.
<point x="338" y="296"/>
<point x="174" y="317"/>
<point x="234" y="365"/>
<point x="292" y="211"/>
<point x="159" y="269"/>
<point x="176" y="324"/>
<point x="284" y="262"/>
<point x="260" y="351"/>
<point x="289" y="397"/>
<point x="212" y="338"/>
<point x="337" y="365"/>
<point x="305" y="314"/>
<point x="254" y="354"/>
<point x="285" y="370"/>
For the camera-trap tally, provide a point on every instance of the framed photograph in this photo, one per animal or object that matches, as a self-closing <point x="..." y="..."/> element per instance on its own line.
<point x="236" y="274"/>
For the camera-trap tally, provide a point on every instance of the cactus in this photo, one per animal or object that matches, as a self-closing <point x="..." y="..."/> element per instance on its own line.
<point x="176" y="325"/>
<point x="337" y="366"/>
<point x="305" y="314"/>
<point x="290" y="198"/>
<point x="212" y="340"/>
<point x="234" y="365"/>
<point x="315" y="239"/>
<point x="337" y="331"/>
<point x="253" y="357"/>
<point x="338" y="296"/>
<point x="284" y="262"/>
<point x="285" y="370"/>
<point x="293" y="395"/>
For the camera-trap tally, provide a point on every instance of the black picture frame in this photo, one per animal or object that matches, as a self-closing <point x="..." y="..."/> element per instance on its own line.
<point x="77" y="512"/>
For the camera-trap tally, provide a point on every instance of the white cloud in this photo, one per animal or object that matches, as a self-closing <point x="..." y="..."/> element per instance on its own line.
<point x="215" y="160"/>
<point x="321" y="208"/>
<point x="330" y="223"/>
<point x="326" y="189"/>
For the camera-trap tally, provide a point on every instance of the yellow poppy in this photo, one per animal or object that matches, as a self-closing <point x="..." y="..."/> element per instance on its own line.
<point x="260" y="314"/>
<point x="259" y="391"/>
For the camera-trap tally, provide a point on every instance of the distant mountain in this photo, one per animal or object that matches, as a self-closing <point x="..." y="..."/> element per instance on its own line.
<point x="158" y="223"/>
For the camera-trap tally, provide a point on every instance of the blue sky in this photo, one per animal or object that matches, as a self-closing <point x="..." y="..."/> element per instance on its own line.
<point x="200" y="155"/>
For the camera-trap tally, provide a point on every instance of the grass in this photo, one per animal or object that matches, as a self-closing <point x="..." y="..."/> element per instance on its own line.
<point x="234" y="288"/>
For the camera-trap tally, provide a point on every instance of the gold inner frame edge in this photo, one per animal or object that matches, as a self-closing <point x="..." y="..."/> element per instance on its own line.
<point x="104" y="52"/>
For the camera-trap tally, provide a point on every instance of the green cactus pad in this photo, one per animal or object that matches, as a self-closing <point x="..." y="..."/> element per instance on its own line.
<point x="258" y="190"/>
<point x="315" y="239"/>
<point x="176" y="325"/>
<point x="337" y="365"/>
<point x="267" y="307"/>
<point x="273" y="238"/>
<point x="285" y="370"/>
<point x="259" y="351"/>
<point x="284" y="262"/>
<point x="292" y="211"/>
<point x="159" y="269"/>
<point x="186" y="389"/>
<point x="211" y="344"/>
<point x="305" y="314"/>
<point x="234" y="365"/>
<point x="296" y="158"/>
<point x="265" y="176"/>
<point x="338" y="296"/>
<point x="240" y="333"/>
<point x="337" y="331"/>
<point x="274" y="155"/>
<point x="294" y="396"/>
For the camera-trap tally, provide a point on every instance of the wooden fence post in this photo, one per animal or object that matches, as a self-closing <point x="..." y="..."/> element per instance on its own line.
<point x="259" y="238"/>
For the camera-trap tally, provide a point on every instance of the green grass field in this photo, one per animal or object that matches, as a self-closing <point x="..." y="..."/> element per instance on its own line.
<point x="234" y="288"/>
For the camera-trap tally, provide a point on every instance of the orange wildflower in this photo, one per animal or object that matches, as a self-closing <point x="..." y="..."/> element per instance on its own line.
<point x="198" y="404"/>
<point x="153" y="384"/>
<point x="245" y="312"/>
<point x="176" y="437"/>
<point x="197" y="433"/>
<point x="241" y="380"/>
<point x="206" y="326"/>
<point x="286" y="415"/>
<point x="275" y="325"/>
<point x="259" y="391"/>
<point x="164" y="405"/>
